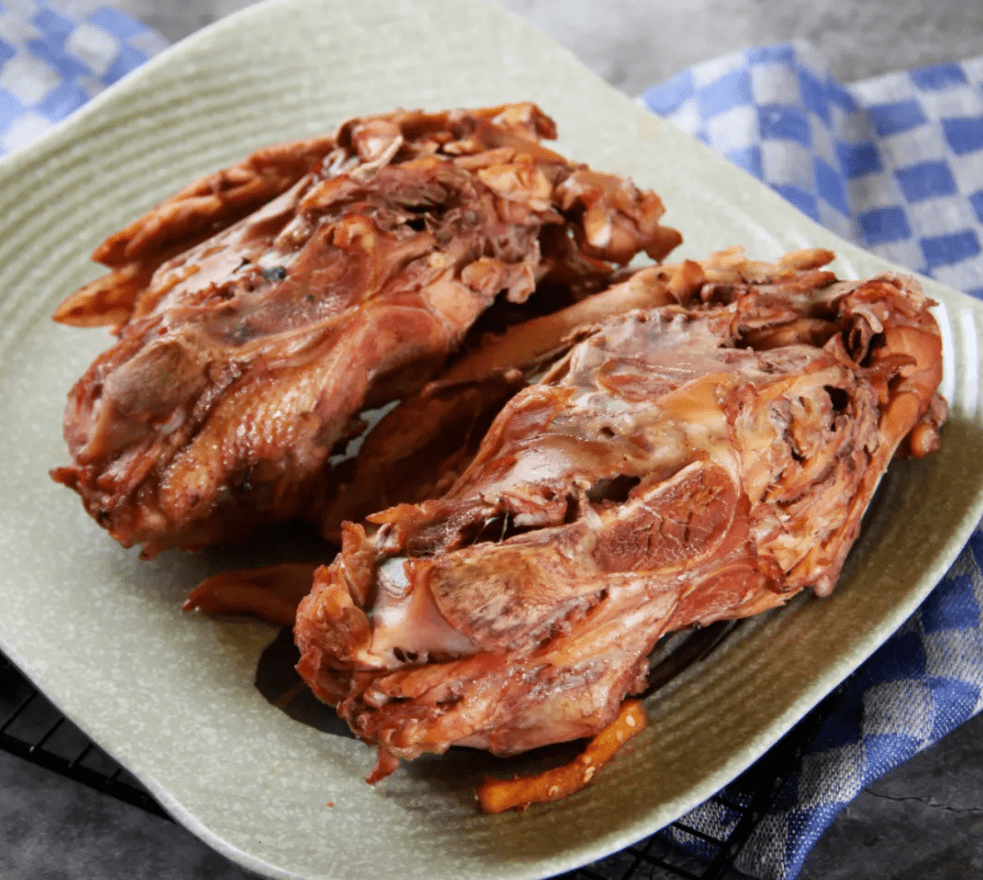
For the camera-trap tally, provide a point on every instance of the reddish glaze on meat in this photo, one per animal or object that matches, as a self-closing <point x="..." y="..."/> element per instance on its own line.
<point x="261" y="309"/>
<point x="680" y="465"/>
<point x="421" y="446"/>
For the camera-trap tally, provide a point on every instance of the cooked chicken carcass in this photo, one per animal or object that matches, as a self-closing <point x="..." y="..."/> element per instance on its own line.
<point x="343" y="273"/>
<point x="418" y="449"/>
<point x="680" y="465"/>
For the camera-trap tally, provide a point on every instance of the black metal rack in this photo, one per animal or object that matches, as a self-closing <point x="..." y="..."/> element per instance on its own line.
<point x="32" y="728"/>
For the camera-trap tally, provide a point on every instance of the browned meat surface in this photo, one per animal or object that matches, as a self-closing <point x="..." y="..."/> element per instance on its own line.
<point x="419" y="448"/>
<point x="344" y="272"/>
<point x="197" y="212"/>
<point x="680" y="465"/>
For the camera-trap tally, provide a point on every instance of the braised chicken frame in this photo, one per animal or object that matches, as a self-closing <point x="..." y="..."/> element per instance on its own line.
<point x="680" y="465"/>
<point x="262" y="309"/>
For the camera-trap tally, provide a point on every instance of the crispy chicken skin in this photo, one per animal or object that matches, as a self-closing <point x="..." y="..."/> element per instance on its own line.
<point x="260" y="310"/>
<point x="679" y="465"/>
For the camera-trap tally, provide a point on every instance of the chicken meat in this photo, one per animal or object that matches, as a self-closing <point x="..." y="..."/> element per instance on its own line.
<point x="679" y="465"/>
<point x="262" y="309"/>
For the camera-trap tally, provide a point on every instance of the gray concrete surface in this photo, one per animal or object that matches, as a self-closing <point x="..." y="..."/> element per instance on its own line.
<point x="635" y="43"/>
<point x="924" y="821"/>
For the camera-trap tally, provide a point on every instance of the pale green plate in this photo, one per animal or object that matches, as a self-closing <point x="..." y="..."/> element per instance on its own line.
<point x="170" y="695"/>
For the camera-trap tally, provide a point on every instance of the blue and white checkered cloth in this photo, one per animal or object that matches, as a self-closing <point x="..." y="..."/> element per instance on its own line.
<point x="894" y="163"/>
<point x="56" y="56"/>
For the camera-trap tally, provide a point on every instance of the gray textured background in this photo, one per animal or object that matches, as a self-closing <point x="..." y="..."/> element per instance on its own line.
<point x="924" y="821"/>
<point x="635" y="43"/>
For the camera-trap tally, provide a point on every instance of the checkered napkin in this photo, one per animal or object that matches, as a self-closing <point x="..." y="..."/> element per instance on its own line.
<point x="55" y="56"/>
<point x="895" y="164"/>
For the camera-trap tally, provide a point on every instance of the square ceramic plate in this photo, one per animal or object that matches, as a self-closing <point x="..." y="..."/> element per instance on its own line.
<point x="170" y="695"/>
